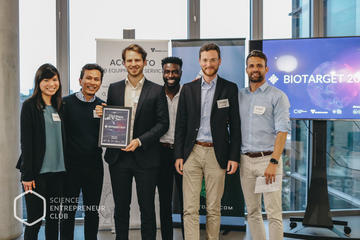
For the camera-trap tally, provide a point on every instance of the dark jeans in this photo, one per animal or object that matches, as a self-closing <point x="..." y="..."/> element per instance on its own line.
<point x="165" y="187"/>
<point x="48" y="185"/>
<point x="121" y="182"/>
<point x="89" y="181"/>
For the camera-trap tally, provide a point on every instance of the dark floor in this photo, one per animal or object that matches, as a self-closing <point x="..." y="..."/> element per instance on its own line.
<point x="353" y="221"/>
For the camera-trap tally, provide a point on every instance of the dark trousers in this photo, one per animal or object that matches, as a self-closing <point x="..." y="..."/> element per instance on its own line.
<point x="179" y="186"/>
<point x="165" y="188"/>
<point x="121" y="182"/>
<point x="49" y="186"/>
<point x="89" y="181"/>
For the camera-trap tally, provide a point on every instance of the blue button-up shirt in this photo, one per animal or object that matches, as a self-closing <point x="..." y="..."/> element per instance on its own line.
<point x="81" y="97"/>
<point x="263" y="114"/>
<point x="207" y="97"/>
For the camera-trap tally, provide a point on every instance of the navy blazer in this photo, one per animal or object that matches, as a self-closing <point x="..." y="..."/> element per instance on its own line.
<point x="224" y="121"/>
<point x="150" y="123"/>
<point x="32" y="139"/>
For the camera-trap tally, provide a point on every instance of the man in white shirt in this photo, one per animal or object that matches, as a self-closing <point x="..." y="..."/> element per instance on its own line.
<point x="171" y="74"/>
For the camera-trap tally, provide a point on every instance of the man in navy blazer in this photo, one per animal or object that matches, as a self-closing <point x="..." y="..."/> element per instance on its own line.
<point x="207" y="141"/>
<point x="141" y="158"/>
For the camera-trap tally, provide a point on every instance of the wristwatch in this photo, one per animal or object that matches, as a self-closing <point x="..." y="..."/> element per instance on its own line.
<point x="274" y="161"/>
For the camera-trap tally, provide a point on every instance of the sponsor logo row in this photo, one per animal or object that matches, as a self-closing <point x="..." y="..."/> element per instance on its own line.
<point x="334" y="111"/>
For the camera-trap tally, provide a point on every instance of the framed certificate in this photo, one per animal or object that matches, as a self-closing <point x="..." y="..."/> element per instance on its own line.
<point x="115" y="127"/>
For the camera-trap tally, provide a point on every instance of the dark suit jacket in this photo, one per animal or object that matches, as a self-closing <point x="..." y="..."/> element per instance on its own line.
<point x="225" y="122"/>
<point x="32" y="139"/>
<point x="151" y="122"/>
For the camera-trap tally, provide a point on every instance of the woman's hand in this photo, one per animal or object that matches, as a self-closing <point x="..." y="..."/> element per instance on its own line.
<point x="28" y="185"/>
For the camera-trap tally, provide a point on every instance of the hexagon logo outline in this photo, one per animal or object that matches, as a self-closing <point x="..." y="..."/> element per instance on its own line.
<point x="22" y="220"/>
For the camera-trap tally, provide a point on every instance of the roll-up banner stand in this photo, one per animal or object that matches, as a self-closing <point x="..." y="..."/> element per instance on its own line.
<point x="108" y="55"/>
<point x="232" y="68"/>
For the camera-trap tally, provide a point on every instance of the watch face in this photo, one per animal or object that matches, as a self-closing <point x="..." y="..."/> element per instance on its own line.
<point x="274" y="161"/>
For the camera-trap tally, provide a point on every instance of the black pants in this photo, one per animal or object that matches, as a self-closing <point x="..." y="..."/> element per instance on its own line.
<point x="48" y="185"/>
<point x="89" y="181"/>
<point x="165" y="187"/>
<point x="121" y="182"/>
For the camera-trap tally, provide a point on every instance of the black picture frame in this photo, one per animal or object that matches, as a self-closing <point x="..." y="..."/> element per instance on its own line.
<point x="114" y="129"/>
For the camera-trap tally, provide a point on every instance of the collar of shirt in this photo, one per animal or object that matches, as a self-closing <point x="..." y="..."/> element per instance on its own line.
<point x="176" y="95"/>
<point x="81" y="97"/>
<point x="262" y="87"/>
<point x="213" y="82"/>
<point x="138" y="85"/>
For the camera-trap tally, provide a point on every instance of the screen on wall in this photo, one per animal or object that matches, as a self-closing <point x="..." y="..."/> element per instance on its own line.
<point x="321" y="76"/>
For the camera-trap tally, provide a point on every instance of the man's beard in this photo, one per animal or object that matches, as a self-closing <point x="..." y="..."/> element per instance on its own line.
<point x="172" y="86"/>
<point x="213" y="73"/>
<point x="256" y="80"/>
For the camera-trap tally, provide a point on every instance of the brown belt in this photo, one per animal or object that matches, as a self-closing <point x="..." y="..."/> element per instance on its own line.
<point x="167" y="145"/>
<point x="205" y="144"/>
<point x="258" y="154"/>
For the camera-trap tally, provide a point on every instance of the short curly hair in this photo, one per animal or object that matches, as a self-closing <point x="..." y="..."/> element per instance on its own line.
<point x="174" y="60"/>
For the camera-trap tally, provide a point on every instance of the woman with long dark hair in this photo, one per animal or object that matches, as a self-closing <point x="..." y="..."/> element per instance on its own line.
<point x="41" y="162"/>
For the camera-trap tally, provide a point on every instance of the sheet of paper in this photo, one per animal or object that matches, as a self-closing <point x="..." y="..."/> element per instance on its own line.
<point x="261" y="186"/>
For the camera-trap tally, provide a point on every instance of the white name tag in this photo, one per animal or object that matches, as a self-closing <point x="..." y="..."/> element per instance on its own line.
<point x="259" y="110"/>
<point x="223" y="103"/>
<point x="95" y="114"/>
<point x="56" y="117"/>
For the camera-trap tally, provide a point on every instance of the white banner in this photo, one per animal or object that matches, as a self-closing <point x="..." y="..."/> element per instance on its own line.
<point x="108" y="55"/>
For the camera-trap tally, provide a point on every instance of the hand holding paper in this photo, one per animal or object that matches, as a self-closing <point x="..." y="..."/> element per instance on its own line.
<point x="261" y="186"/>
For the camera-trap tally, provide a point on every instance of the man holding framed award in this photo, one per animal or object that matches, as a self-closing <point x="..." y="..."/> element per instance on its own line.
<point x="141" y="157"/>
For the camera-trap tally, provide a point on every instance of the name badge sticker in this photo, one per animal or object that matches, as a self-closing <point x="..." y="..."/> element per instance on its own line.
<point x="56" y="117"/>
<point x="259" y="110"/>
<point x="223" y="103"/>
